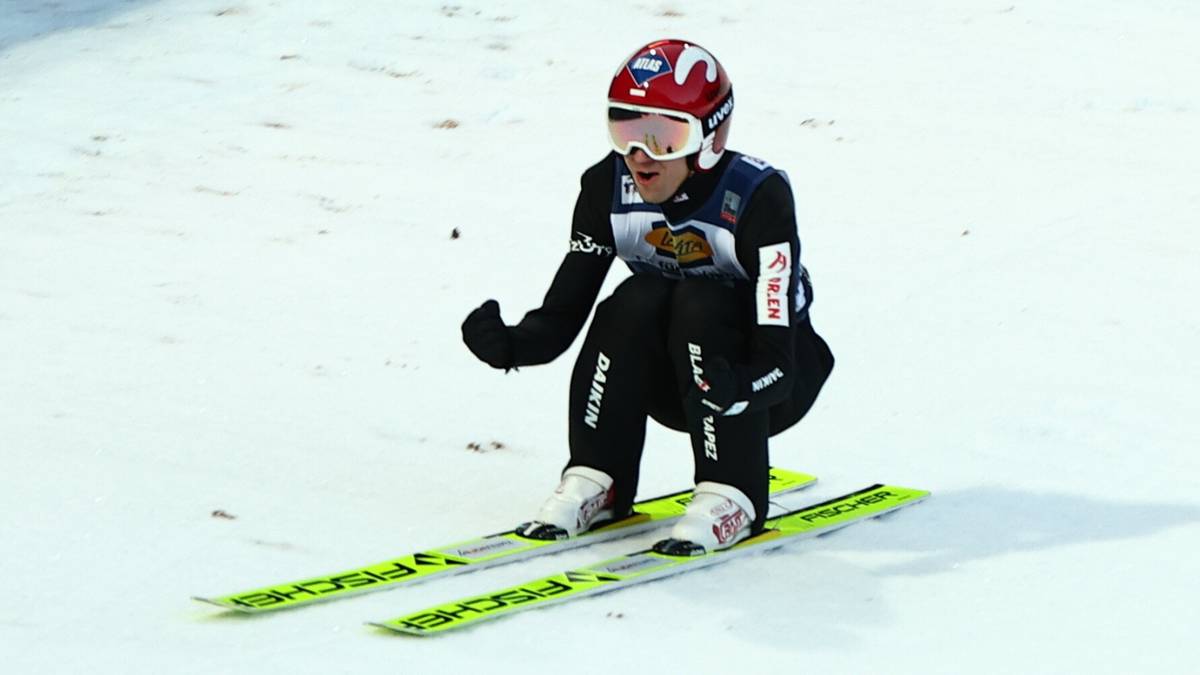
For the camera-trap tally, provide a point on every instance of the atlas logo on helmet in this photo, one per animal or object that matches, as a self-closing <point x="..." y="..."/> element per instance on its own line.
<point x="646" y="67"/>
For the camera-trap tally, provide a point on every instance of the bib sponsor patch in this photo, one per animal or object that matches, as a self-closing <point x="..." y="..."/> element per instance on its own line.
<point x="730" y="205"/>
<point x="629" y="193"/>
<point x="688" y="246"/>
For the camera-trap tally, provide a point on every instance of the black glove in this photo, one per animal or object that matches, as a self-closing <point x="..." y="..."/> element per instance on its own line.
<point x="487" y="337"/>
<point x="717" y="391"/>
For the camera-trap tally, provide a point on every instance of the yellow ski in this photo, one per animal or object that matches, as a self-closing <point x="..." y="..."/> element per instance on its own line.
<point x="647" y="565"/>
<point x="467" y="556"/>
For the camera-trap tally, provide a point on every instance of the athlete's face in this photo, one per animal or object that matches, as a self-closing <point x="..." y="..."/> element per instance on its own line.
<point x="656" y="180"/>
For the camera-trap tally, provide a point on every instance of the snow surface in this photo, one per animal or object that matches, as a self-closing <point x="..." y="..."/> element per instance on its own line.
<point x="227" y="282"/>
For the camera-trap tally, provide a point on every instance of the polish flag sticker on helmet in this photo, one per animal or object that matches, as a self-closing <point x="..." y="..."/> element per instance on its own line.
<point x="647" y="66"/>
<point x="774" y="277"/>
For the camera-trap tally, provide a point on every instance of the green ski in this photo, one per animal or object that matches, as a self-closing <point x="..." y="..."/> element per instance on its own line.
<point x="648" y="564"/>
<point x="468" y="556"/>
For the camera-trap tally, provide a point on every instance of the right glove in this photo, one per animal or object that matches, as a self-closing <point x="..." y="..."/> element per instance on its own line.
<point x="487" y="337"/>
<point x="718" y="391"/>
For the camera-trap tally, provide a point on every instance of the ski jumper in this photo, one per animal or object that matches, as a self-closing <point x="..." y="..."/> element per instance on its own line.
<point x="716" y="272"/>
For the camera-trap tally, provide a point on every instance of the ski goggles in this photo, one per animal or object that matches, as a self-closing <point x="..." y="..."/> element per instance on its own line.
<point x="662" y="134"/>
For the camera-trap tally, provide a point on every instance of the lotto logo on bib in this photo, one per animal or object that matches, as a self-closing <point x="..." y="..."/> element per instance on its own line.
<point x="774" y="277"/>
<point x="688" y="247"/>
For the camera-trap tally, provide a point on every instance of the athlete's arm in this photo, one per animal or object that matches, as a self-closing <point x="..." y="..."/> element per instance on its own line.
<point x="547" y="331"/>
<point x="768" y="247"/>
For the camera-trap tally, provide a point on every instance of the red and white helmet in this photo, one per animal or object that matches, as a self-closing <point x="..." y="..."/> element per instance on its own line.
<point x="672" y="99"/>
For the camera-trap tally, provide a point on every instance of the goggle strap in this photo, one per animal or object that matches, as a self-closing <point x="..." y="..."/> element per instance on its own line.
<point x="719" y="114"/>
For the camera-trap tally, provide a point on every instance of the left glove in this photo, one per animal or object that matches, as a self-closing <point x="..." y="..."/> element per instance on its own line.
<point x="487" y="337"/>
<point x="716" y="391"/>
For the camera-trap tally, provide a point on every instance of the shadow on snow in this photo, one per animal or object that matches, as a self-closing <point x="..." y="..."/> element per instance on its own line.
<point x="962" y="526"/>
<point x="817" y="599"/>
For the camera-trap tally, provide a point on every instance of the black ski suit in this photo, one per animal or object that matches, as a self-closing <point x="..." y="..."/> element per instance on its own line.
<point x="717" y="273"/>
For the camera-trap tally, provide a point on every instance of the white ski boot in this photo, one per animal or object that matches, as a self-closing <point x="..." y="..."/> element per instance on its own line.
<point x="719" y="516"/>
<point x="582" y="499"/>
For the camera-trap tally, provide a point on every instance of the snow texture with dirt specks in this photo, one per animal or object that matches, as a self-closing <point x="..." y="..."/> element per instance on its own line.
<point x="229" y="329"/>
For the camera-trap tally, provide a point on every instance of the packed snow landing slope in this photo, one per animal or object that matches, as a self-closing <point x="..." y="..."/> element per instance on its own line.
<point x="228" y="284"/>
